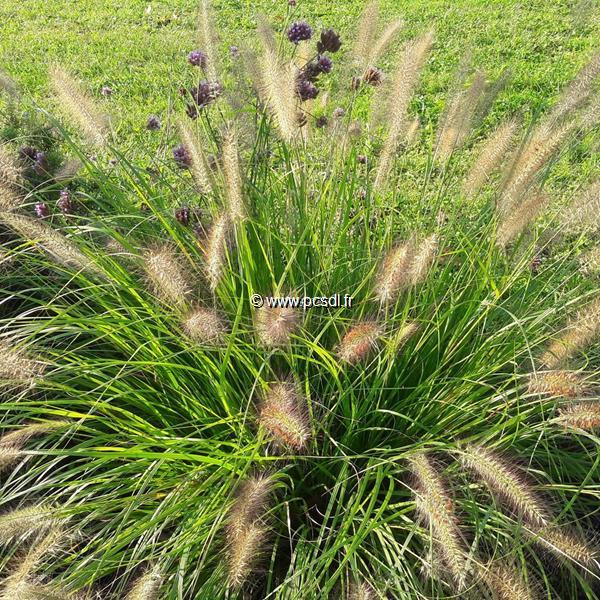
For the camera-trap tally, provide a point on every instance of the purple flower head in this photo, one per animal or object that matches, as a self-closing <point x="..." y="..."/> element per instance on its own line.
<point x="329" y="42"/>
<point x="41" y="210"/>
<point x="40" y="166"/>
<point x="325" y="64"/>
<point x="183" y="215"/>
<point x="310" y="71"/>
<point x="64" y="202"/>
<point x="338" y="112"/>
<point x="362" y="159"/>
<point x="306" y="89"/>
<point x="321" y="121"/>
<point x="113" y="162"/>
<point x="27" y="153"/>
<point x="197" y="58"/>
<point x="292" y="2"/>
<point x="299" y="31"/>
<point x="373" y="76"/>
<point x="182" y="157"/>
<point x="202" y="95"/>
<point x="234" y="51"/>
<point x="106" y="91"/>
<point x="153" y="123"/>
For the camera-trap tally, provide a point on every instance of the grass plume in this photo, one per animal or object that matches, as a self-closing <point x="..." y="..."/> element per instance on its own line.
<point x="581" y="415"/>
<point x="492" y="153"/>
<point x="146" y="587"/>
<point x="402" y="89"/>
<point x="199" y="163"/>
<point x="395" y="272"/>
<point x="233" y="177"/>
<point x="205" y="325"/>
<point x="275" y="325"/>
<point x="78" y="105"/>
<point x="358" y="342"/>
<point x="166" y="276"/>
<point x="24" y="522"/>
<point x="567" y="545"/>
<point x="423" y="259"/>
<point x="506" y="583"/>
<point x="584" y="212"/>
<point x="506" y="482"/>
<point x="365" y="35"/>
<point x="436" y="506"/>
<point x="513" y="223"/>
<point x="216" y="248"/>
<point x="15" y="365"/>
<point x="567" y="384"/>
<point x="207" y="39"/>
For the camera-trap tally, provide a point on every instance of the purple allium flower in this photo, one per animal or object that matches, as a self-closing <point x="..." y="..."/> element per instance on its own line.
<point x="299" y="31"/>
<point x="234" y="51"/>
<point x="181" y="156"/>
<point x="64" y="202"/>
<point x="324" y="64"/>
<point x="183" y="215"/>
<point x="197" y="58"/>
<point x="27" y="152"/>
<point x="306" y="89"/>
<point x="113" y="162"/>
<point x="321" y="121"/>
<point x="41" y="210"/>
<point x="362" y="159"/>
<point x="153" y="123"/>
<point x="292" y="2"/>
<point x="106" y="91"/>
<point x="338" y="112"/>
<point x="40" y="166"/>
<point x="329" y="42"/>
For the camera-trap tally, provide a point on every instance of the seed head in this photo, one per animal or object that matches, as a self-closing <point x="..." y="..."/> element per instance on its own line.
<point x="68" y="170"/>
<point x="166" y="276"/>
<point x="79" y="107"/>
<point x="506" y="583"/>
<point x="395" y="272"/>
<point x="215" y="250"/>
<point x="23" y="522"/>
<point x="275" y="325"/>
<point x="147" y="587"/>
<point x="506" y="482"/>
<point x="436" y="506"/>
<point x="182" y="157"/>
<point x="40" y="234"/>
<point x="423" y="259"/>
<point x="245" y="548"/>
<point x="64" y="202"/>
<point x="283" y="414"/>
<point x="581" y="415"/>
<point x="306" y="90"/>
<point x="590" y="262"/>
<point x="233" y="177"/>
<point x="250" y="503"/>
<point x="361" y="591"/>
<point x="567" y="384"/>
<point x="358" y="342"/>
<point x="567" y="545"/>
<point x="199" y="163"/>
<point x="204" y="325"/>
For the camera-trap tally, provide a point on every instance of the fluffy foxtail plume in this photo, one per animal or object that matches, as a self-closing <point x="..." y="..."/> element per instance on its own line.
<point x="459" y="117"/>
<point x="277" y="86"/>
<point x="412" y="131"/>
<point x="491" y="155"/>
<point x="251" y="502"/>
<point x="423" y="259"/>
<point x="542" y="146"/>
<point x="276" y="325"/>
<point x="436" y="506"/>
<point x="60" y="248"/>
<point x="395" y="272"/>
<point x="204" y="325"/>
<point x="23" y="522"/>
<point x="578" y="91"/>
<point x="15" y="365"/>
<point x="215" y="250"/>
<point x="581" y="415"/>
<point x="284" y="415"/>
<point x="11" y="178"/>
<point x="582" y="331"/>
<point x="506" y="482"/>
<point x="401" y="92"/>
<point x="166" y="276"/>
<point x="244" y="552"/>
<point x="506" y="583"/>
<point x="233" y="177"/>
<point x="514" y="223"/>
<point x="590" y="262"/>
<point x="199" y="163"/>
<point x="384" y="40"/>
<point x="361" y="591"/>
<point x="567" y="545"/>
<point x="566" y="384"/>
<point x="147" y="587"/>
<point x="207" y="39"/>
<point x="11" y="444"/>
<point x="79" y="107"/>
<point x="365" y="36"/>
<point x="358" y="342"/>
<point x="403" y="335"/>
<point x="584" y="212"/>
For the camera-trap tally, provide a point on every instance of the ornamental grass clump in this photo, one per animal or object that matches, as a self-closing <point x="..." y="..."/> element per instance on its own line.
<point x="194" y="433"/>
